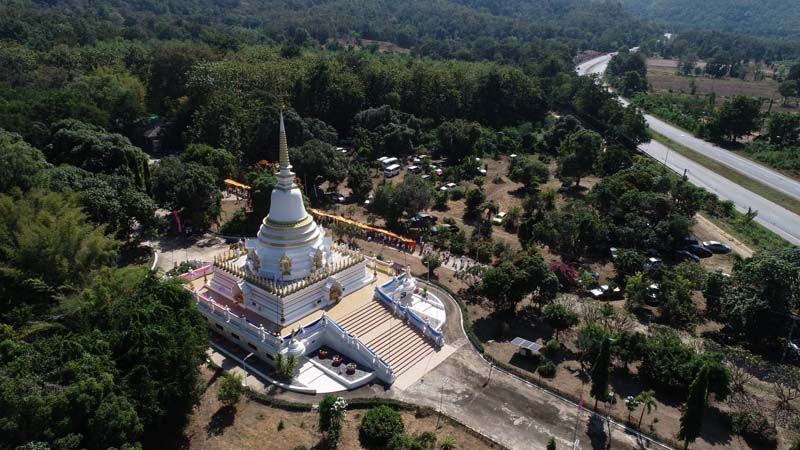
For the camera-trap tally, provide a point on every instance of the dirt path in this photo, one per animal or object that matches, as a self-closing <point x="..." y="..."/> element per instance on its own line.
<point x="706" y="230"/>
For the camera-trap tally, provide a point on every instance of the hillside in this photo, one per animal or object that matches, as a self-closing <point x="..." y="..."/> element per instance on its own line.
<point x="438" y="27"/>
<point x="768" y="18"/>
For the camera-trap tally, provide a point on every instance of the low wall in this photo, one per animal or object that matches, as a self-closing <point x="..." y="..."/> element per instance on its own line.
<point x="427" y="330"/>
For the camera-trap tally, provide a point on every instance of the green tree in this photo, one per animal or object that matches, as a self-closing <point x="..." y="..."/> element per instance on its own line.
<point x="737" y="117"/>
<point x="559" y="317"/>
<point x="359" y="182"/>
<point x="759" y="288"/>
<point x="47" y="236"/>
<point x="694" y="409"/>
<point x="788" y="88"/>
<point x="379" y="426"/>
<point x="112" y="200"/>
<point x="600" y="372"/>
<point x="783" y="128"/>
<point x="316" y="161"/>
<point x="529" y="171"/>
<point x="189" y="187"/>
<point x="261" y="183"/>
<point x="158" y="340"/>
<point x="432" y="262"/>
<point x="551" y="443"/>
<point x="506" y="284"/>
<point x="230" y="389"/>
<point x="637" y="291"/>
<point x="474" y="199"/>
<point x="19" y="162"/>
<point x="578" y="154"/>
<point x="222" y="161"/>
<point x="458" y="139"/>
<point x="96" y="150"/>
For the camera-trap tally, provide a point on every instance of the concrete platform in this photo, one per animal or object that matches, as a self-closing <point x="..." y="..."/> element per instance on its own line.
<point x="418" y="370"/>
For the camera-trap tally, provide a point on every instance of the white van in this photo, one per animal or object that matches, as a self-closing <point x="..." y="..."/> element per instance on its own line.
<point x="413" y="169"/>
<point x="392" y="171"/>
<point x="390" y="162"/>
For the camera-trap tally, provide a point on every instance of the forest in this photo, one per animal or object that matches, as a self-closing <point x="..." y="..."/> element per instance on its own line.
<point x="771" y="18"/>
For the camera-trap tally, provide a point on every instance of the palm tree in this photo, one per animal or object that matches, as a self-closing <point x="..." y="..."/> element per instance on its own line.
<point x="648" y="401"/>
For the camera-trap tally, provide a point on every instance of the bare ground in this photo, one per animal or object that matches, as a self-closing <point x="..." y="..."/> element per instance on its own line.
<point x="257" y="426"/>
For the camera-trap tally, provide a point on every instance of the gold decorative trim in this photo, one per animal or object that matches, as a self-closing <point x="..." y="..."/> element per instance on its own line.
<point x="278" y="224"/>
<point x="291" y="237"/>
<point x="294" y="244"/>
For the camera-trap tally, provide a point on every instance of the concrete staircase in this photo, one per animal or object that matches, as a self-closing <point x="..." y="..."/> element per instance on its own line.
<point x="367" y="318"/>
<point x="402" y="347"/>
<point x="399" y="344"/>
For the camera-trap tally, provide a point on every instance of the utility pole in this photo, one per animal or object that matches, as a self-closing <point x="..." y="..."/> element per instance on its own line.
<point x="441" y="401"/>
<point x="244" y="366"/>
<point x="488" y="378"/>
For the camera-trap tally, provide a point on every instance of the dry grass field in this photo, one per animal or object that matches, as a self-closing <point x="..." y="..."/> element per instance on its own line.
<point x="661" y="74"/>
<point x="257" y="426"/>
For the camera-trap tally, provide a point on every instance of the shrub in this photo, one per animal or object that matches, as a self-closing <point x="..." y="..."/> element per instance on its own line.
<point x="449" y="443"/>
<point x="380" y="425"/>
<point x="547" y="369"/>
<point x="422" y="441"/>
<point x="551" y="349"/>
<point x="755" y="428"/>
<point x="230" y="389"/>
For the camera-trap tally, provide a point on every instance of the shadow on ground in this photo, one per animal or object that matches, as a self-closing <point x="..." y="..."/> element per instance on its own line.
<point x="221" y="420"/>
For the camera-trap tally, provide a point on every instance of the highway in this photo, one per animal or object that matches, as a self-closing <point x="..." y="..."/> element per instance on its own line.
<point x="773" y="216"/>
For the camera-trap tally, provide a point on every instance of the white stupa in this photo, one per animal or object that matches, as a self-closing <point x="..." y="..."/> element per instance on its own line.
<point x="290" y="268"/>
<point x="289" y="245"/>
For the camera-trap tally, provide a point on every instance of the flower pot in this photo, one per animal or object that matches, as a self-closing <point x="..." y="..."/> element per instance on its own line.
<point x="323" y="354"/>
<point x="351" y="369"/>
<point x="337" y="360"/>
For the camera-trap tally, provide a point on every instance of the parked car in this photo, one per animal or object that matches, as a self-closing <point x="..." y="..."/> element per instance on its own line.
<point x="422" y="220"/>
<point x="565" y="186"/>
<point x="653" y="291"/>
<point x="684" y="255"/>
<point x="691" y="240"/>
<point x="498" y="218"/>
<point x="717" y="247"/>
<point x="445" y="227"/>
<point x="604" y="291"/>
<point x="335" y="197"/>
<point x="653" y="261"/>
<point x="614" y="252"/>
<point x="699" y="250"/>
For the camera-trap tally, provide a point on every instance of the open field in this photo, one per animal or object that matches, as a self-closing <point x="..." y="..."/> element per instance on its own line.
<point x="661" y="74"/>
<point x="262" y="427"/>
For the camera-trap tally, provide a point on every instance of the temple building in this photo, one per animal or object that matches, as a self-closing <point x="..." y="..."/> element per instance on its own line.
<point x="291" y="291"/>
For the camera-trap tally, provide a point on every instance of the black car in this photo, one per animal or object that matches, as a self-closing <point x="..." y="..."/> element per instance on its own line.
<point x="684" y="255"/>
<point x="699" y="251"/>
<point x="421" y="220"/>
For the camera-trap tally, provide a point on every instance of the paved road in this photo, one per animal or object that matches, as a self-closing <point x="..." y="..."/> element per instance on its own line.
<point x="773" y="216"/>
